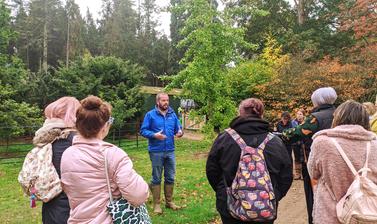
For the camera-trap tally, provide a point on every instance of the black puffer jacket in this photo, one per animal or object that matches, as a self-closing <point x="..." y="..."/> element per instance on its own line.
<point x="224" y="157"/>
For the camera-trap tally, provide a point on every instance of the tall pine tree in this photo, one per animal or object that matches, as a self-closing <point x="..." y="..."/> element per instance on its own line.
<point x="91" y="35"/>
<point x="75" y="31"/>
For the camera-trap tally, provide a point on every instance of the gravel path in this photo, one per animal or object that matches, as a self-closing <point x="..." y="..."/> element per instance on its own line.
<point x="292" y="208"/>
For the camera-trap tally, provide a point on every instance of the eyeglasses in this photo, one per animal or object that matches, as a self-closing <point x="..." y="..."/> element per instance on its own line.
<point x="111" y="120"/>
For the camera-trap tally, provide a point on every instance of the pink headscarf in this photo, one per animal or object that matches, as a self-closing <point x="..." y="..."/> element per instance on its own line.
<point x="64" y="108"/>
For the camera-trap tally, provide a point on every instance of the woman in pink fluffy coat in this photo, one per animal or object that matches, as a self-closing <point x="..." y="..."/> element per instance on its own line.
<point x="327" y="167"/>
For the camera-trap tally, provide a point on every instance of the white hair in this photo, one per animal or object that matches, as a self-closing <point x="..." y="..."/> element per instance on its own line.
<point x="325" y="95"/>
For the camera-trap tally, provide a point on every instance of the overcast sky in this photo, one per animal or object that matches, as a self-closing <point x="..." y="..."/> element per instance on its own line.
<point x="95" y="7"/>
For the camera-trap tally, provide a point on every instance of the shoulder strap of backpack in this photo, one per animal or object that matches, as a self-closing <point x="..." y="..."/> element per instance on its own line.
<point x="242" y="144"/>
<point x="237" y="138"/>
<point x="344" y="156"/>
<point x="265" y="141"/>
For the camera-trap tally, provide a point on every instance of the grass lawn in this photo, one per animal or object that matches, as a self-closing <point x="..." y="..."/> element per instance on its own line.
<point x="192" y="188"/>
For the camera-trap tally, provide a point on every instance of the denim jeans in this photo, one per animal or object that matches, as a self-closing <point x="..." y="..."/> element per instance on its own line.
<point x="162" y="161"/>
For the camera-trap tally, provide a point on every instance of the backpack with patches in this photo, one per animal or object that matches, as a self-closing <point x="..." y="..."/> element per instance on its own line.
<point x="251" y="196"/>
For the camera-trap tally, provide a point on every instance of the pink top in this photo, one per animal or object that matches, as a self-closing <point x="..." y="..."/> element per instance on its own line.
<point x="84" y="181"/>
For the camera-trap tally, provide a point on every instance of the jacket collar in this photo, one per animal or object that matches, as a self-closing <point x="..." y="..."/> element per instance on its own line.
<point x="79" y="139"/>
<point x="249" y="125"/>
<point x="353" y="132"/>
<point x="323" y="107"/>
<point x="170" y="110"/>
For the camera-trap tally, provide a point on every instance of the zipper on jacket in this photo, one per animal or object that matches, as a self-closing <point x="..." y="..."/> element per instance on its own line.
<point x="165" y="130"/>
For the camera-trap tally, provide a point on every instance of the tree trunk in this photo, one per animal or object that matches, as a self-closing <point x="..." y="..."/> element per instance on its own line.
<point x="300" y="5"/>
<point x="67" y="56"/>
<point x="27" y="53"/>
<point x="45" y="40"/>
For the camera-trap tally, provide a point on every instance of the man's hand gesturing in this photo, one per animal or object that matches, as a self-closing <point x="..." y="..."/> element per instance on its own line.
<point x="160" y="136"/>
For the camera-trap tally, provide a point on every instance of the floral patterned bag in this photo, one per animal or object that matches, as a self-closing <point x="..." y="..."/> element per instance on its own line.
<point x="38" y="176"/>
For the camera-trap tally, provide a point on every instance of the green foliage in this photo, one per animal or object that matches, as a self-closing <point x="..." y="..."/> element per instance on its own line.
<point x="91" y="35"/>
<point x="212" y="42"/>
<point x="53" y="14"/>
<point x="76" y="31"/>
<point x="264" y="17"/>
<point x="113" y="79"/>
<point x="316" y="36"/>
<point x="245" y="78"/>
<point x="177" y="18"/>
<point x="15" y="115"/>
<point x="118" y="28"/>
<point x="14" y="75"/>
<point x="5" y="32"/>
<point x="16" y="118"/>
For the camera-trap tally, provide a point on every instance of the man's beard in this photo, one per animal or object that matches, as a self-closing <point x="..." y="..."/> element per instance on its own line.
<point x="163" y="107"/>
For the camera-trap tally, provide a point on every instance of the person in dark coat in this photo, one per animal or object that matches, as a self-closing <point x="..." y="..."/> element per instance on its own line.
<point x="298" y="147"/>
<point x="62" y="111"/>
<point x="224" y="156"/>
<point x="321" y="118"/>
<point x="284" y="124"/>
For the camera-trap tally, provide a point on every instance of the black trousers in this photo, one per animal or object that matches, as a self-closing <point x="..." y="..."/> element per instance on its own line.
<point x="308" y="192"/>
<point x="289" y="150"/>
<point x="298" y="152"/>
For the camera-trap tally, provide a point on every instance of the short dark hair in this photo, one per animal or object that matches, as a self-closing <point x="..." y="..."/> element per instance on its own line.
<point x="351" y="112"/>
<point x="286" y="114"/>
<point x="92" y="116"/>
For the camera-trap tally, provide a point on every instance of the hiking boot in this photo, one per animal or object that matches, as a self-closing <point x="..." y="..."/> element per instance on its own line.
<point x="156" y="193"/>
<point x="168" y="190"/>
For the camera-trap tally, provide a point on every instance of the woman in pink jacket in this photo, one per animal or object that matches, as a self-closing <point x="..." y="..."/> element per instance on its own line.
<point x="326" y="165"/>
<point x="83" y="167"/>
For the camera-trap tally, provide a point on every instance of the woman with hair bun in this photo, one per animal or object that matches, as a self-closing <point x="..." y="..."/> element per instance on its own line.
<point x="83" y="167"/>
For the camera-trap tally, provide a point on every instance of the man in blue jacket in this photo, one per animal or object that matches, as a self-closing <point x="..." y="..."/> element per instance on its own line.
<point x="160" y="125"/>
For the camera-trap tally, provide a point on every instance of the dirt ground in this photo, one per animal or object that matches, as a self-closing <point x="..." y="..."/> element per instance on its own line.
<point x="192" y="135"/>
<point x="292" y="208"/>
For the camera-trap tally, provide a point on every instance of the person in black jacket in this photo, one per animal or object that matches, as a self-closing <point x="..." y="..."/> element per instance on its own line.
<point x="321" y="118"/>
<point x="59" y="130"/>
<point x="284" y="124"/>
<point x="224" y="156"/>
